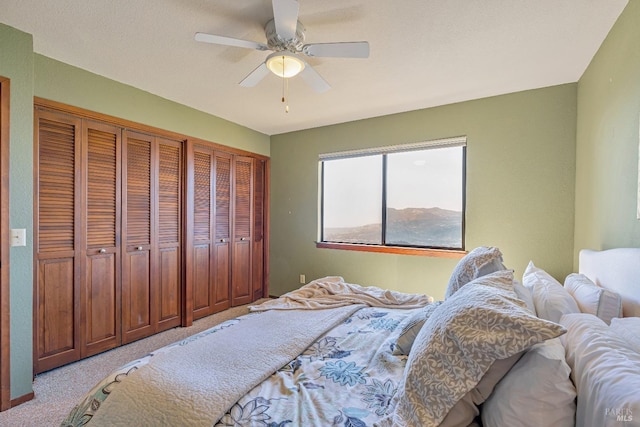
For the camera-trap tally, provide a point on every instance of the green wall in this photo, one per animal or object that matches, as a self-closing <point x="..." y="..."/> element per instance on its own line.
<point x="64" y="83"/>
<point x="16" y="63"/>
<point x="520" y="189"/>
<point x="32" y="75"/>
<point x="607" y="141"/>
<point x="530" y="185"/>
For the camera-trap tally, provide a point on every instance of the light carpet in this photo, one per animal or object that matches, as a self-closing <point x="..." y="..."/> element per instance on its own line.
<point x="59" y="390"/>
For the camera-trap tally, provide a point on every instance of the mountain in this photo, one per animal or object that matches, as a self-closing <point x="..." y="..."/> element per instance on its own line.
<point x="431" y="227"/>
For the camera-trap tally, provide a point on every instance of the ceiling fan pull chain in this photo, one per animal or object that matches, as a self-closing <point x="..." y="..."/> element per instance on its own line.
<point x="286" y="107"/>
<point x="285" y="90"/>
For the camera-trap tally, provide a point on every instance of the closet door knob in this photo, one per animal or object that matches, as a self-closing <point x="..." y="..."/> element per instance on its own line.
<point x="221" y="240"/>
<point x="102" y="251"/>
<point x="243" y="238"/>
<point x="139" y="248"/>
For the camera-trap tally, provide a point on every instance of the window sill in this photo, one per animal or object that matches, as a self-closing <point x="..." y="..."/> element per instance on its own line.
<point x="436" y="253"/>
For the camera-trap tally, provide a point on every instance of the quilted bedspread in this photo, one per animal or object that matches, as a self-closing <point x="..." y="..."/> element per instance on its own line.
<point x="347" y="376"/>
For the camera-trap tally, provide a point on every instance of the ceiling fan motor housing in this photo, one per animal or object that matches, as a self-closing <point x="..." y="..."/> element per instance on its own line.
<point x="277" y="44"/>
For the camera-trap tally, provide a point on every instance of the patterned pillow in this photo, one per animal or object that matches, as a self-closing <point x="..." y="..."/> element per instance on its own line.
<point x="457" y="345"/>
<point x="479" y="262"/>
<point x="411" y="327"/>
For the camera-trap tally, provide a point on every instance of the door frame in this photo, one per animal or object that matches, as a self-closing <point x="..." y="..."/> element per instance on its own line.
<point x="5" y="354"/>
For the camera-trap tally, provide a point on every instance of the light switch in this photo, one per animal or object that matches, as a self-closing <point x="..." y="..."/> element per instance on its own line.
<point x="18" y="237"/>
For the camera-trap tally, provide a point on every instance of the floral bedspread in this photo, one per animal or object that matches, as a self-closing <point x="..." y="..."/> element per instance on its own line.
<point x="346" y="378"/>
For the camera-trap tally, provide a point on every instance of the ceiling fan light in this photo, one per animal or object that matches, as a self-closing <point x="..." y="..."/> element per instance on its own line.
<point x="284" y="64"/>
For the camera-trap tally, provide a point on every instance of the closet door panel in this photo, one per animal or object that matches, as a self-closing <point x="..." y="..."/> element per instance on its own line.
<point x="102" y="316"/>
<point x="222" y="227"/>
<point x="169" y="315"/>
<point x="56" y="282"/>
<point x="222" y="275"/>
<point x="202" y="268"/>
<point x="100" y="293"/>
<point x="258" y="229"/>
<point x="137" y="308"/>
<point x="241" y="275"/>
<point x="202" y="297"/>
<point x="169" y="235"/>
<point x="137" y="295"/>
<point x="55" y="316"/>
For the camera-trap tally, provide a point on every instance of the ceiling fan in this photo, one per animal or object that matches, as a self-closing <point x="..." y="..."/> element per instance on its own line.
<point x="285" y="37"/>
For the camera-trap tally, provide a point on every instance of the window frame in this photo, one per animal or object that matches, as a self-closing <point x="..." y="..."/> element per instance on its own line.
<point x="384" y="247"/>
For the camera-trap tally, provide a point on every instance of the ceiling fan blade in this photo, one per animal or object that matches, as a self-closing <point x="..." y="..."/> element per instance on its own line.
<point x="255" y="76"/>
<point x="230" y="41"/>
<point x="314" y="79"/>
<point x="337" y="50"/>
<point x="285" y="17"/>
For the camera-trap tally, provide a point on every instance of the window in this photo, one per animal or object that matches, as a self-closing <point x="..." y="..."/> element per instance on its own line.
<point x="408" y="196"/>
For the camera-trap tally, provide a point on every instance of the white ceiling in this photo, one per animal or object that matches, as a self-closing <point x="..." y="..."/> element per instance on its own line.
<point x="424" y="53"/>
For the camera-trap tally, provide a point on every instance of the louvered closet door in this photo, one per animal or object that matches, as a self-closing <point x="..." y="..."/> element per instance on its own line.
<point x="222" y="231"/>
<point x="241" y="272"/>
<point x="56" y="316"/>
<point x="169" y="223"/>
<point x="258" y="268"/>
<point x="137" y="298"/>
<point x="101" y="247"/>
<point x="201" y="257"/>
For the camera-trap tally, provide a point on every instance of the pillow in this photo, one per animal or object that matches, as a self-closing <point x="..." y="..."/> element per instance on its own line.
<point x="481" y="261"/>
<point x="457" y="345"/>
<point x="629" y="329"/>
<point x="593" y="299"/>
<point x="605" y="370"/>
<point x="466" y="410"/>
<point x="550" y="298"/>
<point x="537" y="391"/>
<point x="525" y="295"/>
<point x="411" y="327"/>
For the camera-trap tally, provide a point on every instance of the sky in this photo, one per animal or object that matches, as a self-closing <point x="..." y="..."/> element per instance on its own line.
<point x="418" y="179"/>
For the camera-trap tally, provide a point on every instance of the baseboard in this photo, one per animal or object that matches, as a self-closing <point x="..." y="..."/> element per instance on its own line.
<point x="22" y="399"/>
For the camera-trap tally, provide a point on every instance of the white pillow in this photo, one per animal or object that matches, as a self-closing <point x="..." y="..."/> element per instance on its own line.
<point x="479" y="262"/>
<point x="605" y="370"/>
<point x="525" y="295"/>
<point x="593" y="299"/>
<point x="550" y="298"/>
<point x="537" y="391"/>
<point x="629" y="329"/>
<point x="480" y="324"/>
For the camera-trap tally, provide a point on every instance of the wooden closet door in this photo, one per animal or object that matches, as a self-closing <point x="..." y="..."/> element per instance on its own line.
<point x="259" y="195"/>
<point x="169" y="233"/>
<point x="201" y="256"/>
<point x="100" y="292"/>
<point x="222" y="231"/>
<point x="137" y="205"/>
<point x="241" y="270"/>
<point x="57" y="269"/>
<point x="5" y="324"/>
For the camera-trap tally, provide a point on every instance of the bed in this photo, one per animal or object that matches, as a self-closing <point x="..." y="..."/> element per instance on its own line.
<point x="497" y="351"/>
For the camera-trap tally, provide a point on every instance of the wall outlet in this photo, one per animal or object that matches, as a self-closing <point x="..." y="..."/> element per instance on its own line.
<point x="303" y="279"/>
<point x="18" y="237"/>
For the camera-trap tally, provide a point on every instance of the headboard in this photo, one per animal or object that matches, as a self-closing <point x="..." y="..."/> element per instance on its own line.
<point x="616" y="269"/>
